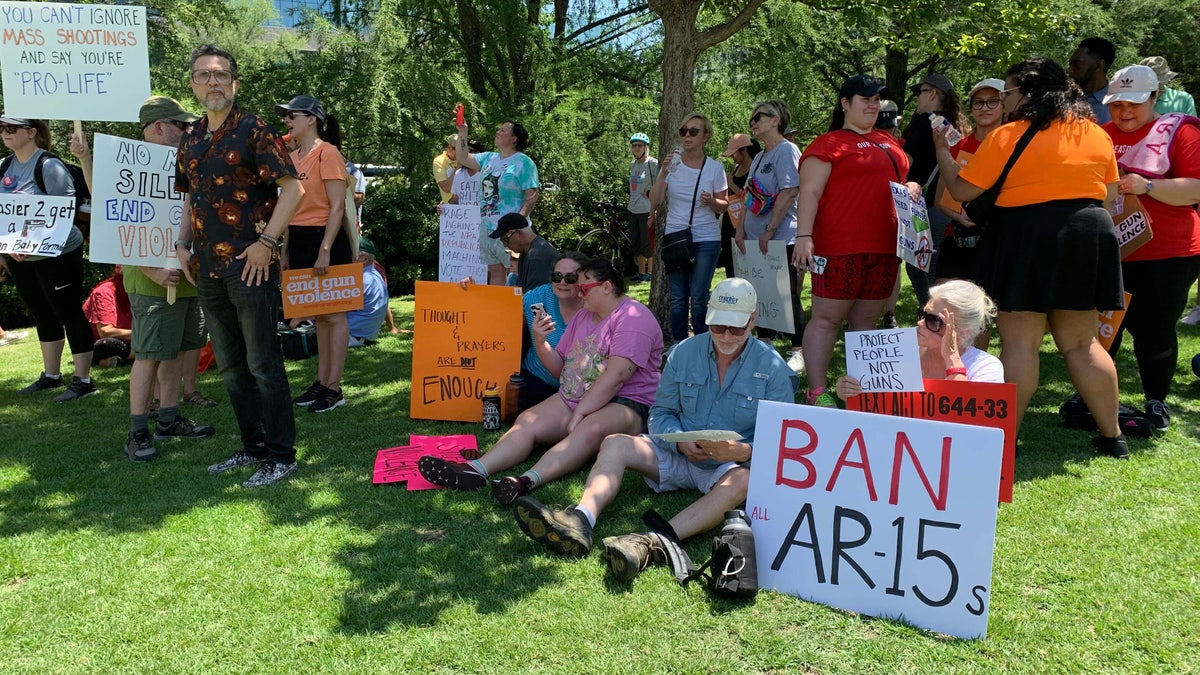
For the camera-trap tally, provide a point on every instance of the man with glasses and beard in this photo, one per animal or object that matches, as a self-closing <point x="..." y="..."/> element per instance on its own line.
<point x="242" y="192"/>
<point x="713" y="380"/>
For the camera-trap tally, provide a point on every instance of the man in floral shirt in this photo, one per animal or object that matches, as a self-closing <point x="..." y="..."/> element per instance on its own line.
<point x="241" y="194"/>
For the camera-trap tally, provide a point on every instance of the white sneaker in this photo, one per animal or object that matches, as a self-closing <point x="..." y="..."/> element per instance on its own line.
<point x="796" y="362"/>
<point x="1192" y="318"/>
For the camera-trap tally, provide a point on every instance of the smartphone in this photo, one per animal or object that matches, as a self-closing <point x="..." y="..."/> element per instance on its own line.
<point x="458" y="114"/>
<point x="818" y="264"/>
<point x="539" y="310"/>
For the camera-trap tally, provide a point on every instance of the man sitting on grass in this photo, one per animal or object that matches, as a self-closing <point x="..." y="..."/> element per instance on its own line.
<point x="712" y="381"/>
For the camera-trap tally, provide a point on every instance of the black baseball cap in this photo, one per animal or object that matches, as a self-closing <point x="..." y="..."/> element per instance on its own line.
<point x="302" y="103"/>
<point x="861" y="85"/>
<point x="507" y="223"/>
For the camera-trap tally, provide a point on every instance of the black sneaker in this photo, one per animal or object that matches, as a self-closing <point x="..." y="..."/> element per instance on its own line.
<point x="43" y="383"/>
<point x="311" y="394"/>
<point x="889" y="320"/>
<point x="182" y="427"/>
<point x="1113" y="447"/>
<point x="236" y="460"/>
<point x="564" y="532"/>
<point x="506" y="490"/>
<point x="327" y="400"/>
<point x="454" y="475"/>
<point x="271" y="471"/>
<point x="1158" y="414"/>
<point x="139" y="447"/>
<point x="77" y="389"/>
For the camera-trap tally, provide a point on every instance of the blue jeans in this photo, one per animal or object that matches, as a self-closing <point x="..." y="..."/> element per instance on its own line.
<point x="241" y="320"/>
<point x="689" y="289"/>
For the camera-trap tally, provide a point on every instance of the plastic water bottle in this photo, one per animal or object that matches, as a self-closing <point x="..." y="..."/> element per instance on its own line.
<point x="676" y="154"/>
<point x="954" y="137"/>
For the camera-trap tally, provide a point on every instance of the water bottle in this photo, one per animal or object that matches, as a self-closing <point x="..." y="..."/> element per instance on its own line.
<point x="491" y="409"/>
<point x="736" y="521"/>
<point x="954" y="137"/>
<point x="512" y="397"/>
<point x="675" y="156"/>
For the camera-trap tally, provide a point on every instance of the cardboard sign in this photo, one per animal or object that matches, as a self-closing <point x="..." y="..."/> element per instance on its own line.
<point x="35" y="224"/>
<point x="985" y="404"/>
<point x="769" y="276"/>
<point x="887" y="516"/>
<point x="1133" y="224"/>
<point x="914" y="241"/>
<point x="884" y="360"/>
<point x="458" y="244"/>
<point x="338" y="290"/>
<point x="464" y="342"/>
<point x="64" y="62"/>
<point x="399" y="464"/>
<point x="135" y="208"/>
<point x="1109" y="322"/>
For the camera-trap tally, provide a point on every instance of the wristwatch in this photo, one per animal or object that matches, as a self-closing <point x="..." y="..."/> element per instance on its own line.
<point x="1149" y="186"/>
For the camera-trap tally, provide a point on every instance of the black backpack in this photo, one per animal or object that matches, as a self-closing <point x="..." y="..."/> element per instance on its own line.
<point x="83" y="196"/>
<point x="732" y="572"/>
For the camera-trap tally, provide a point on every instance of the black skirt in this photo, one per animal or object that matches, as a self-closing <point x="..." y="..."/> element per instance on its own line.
<point x="304" y="243"/>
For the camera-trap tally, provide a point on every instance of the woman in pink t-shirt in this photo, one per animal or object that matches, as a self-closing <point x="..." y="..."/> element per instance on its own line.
<point x="607" y="363"/>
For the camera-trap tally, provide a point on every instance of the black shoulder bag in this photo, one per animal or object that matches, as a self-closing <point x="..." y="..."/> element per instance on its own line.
<point x="982" y="210"/>
<point x="677" y="252"/>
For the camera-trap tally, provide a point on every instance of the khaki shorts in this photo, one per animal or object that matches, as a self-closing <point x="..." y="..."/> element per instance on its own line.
<point x="162" y="332"/>
<point x="491" y="251"/>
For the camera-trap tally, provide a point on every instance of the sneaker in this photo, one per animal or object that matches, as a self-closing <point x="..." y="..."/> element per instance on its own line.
<point x="506" y="490"/>
<point x="1192" y="318"/>
<point x="13" y="336"/>
<point x="43" y="383"/>
<point x="310" y="395"/>
<point x="328" y="400"/>
<point x="1113" y="447"/>
<point x="889" y="320"/>
<point x="1158" y="414"/>
<point x="564" y="532"/>
<point x="796" y="361"/>
<point x="453" y="475"/>
<point x="271" y="471"/>
<point x="77" y="389"/>
<point x="629" y="554"/>
<point x="198" y="399"/>
<point x="182" y="427"/>
<point x="236" y="460"/>
<point x="139" y="447"/>
<point x="822" y="400"/>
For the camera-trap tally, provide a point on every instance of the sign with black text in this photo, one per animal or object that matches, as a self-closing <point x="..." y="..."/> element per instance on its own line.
<point x="914" y="239"/>
<point x="458" y="244"/>
<point x="768" y="273"/>
<point x="35" y="224"/>
<point x="884" y="360"/>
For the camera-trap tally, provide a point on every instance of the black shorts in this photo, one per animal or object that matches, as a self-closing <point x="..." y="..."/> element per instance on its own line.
<point x="639" y="233"/>
<point x="641" y="409"/>
<point x="304" y="243"/>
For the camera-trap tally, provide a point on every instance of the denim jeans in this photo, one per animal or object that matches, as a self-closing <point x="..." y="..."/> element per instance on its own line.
<point x="241" y="320"/>
<point x="689" y="290"/>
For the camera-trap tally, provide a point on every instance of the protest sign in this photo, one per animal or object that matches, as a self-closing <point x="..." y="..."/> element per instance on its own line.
<point x="1133" y="224"/>
<point x="884" y="360"/>
<point x="338" y="290"/>
<point x="458" y="244"/>
<point x="914" y="241"/>
<point x="394" y="465"/>
<point x="35" y="224"/>
<point x="769" y="276"/>
<point x="985" y="404"/>
<point x="64" y="62"/>
<point x="887" y="516"/>
<point x="950" y="203"/>
<point x="464" y="342"/>
<point x="1109" y="322"/>
<point x="736" y="211"/>
<point x="135" y="208"/>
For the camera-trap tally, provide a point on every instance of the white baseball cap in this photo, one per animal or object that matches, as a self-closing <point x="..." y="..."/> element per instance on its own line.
<point x="1133" y="84"/>
<point x="731" y="303"/>
<point x="988" y="83"/>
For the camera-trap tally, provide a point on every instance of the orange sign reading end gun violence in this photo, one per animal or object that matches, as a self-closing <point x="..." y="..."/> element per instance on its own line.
<point x="338" y="290"/>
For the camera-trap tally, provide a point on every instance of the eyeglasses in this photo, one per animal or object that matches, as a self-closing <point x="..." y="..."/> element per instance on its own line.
<point x="585" y="288"/>
<point x="989" y="103"/>
<point x="732" y="330"/>
<point x="569" y="277"/>
<point x="221" y="76"/>
<point x="759" y="115"/>
<point x="292" y="114"/>
<point x="689" y="131"/>
<point x="12" y="128"/>
<point x="504" y="239"/>
<point x="932" y="321"/>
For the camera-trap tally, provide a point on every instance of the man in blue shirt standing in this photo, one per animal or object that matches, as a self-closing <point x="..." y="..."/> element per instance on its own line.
<point x="1089" y="66"/>
<point x="712" y="381"/>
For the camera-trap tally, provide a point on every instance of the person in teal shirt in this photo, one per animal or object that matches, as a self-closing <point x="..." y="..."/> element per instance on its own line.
<point x="1169" y="100"/>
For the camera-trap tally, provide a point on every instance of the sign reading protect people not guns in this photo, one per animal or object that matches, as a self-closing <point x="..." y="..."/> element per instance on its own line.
<point x="338" y="290"/>
<point x="464" y="342"/>
<point x="64" y="62"/>
<point x="135" y="208"/>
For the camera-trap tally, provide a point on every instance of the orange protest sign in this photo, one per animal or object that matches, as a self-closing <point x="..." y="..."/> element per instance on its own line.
<point x="1109" y="322"/>
<point x="338" y="290"/>
<point x="737" y="211"/>
<point x="950" y="203"/>
<point x="464" y="341"/>
<point x="1133" y="223"/>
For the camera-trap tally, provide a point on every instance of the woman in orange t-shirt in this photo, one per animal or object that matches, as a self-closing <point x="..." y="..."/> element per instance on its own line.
<point x="1051" y="252"/>
<point x="316" y="238"/>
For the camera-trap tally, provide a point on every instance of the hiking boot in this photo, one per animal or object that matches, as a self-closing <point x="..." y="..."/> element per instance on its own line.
<point x="629" y="554"/>
<point x="506" y="490"/>
<point x="310" y="395"/>
<point x="453" y="475"/>
<point x="139" y="447"/>
<point x="272" y="471"/>
<point x="1113" y="447"/>
<point x="43" y="383"/>
<point x="1158" y="414"/>
<point x="182" y="427"/>
<point x="796" y="361"/>
<point x="236" y="460"/>
<point x="327" y="400"/>
<point x="564" y="532"/>
<point x="77" y="389"/>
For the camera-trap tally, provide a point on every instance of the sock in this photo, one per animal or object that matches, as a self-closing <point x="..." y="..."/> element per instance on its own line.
<point x="167" y="416"/>
<point x="139" y="423"/>
<point x="814" y="393"/>
<point x="591" y="518"/>
<point x="85" y="380"/>
<point x="478" y="467"/>
<point x="53" y="377"/>
<point x="535" y="479"/>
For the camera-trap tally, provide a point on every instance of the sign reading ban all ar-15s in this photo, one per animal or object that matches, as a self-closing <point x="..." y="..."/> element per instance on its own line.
<point x="135" y="208"/>
<point x="887" y="516"/>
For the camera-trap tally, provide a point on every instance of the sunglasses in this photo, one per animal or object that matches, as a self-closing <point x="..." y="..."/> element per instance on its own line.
<point x="293" y="114"/>
<point x="689" y="131"/>
<point x="989" y="103"/>
<point x="569" y="277"/>
<point x="759" y="115"/>
<point x="12" y="128"/>
<point x="585" y="288"/>
<point x="932" y="321"/>
<point x="221" y="76"/>
<point x="732" y="330"/>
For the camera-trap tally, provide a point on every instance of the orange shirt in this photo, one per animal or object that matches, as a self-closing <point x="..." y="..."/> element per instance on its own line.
<point x="322" y="163"/>
<point x="1070" y="160"/>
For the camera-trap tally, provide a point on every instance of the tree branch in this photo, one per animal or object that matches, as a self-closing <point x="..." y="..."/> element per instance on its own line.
<point x="721" y="32"/>
<point x="600" y="22"/>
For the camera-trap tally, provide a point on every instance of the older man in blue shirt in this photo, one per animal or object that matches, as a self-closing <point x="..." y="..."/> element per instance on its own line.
<point x="712" y="381"/>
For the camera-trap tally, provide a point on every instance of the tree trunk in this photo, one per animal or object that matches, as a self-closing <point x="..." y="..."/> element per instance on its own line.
<point x="472" y="46"/>
<point x="896" y="75"/>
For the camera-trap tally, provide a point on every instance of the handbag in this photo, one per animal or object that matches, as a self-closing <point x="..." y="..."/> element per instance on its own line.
<point x="677" y="252"/>
<point x="758" y="200"/>
<point x="982" y="210"/>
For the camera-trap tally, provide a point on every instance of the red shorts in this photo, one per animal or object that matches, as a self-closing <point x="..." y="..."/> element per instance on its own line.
<point x="858" y="276"/>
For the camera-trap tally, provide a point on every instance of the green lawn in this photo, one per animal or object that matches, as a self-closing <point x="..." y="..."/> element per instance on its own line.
<point x="111" y="566"/>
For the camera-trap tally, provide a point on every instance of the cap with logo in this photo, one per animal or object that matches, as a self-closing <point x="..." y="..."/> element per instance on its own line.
<point x="731" y="303"/>
<point x="158" y="108"/>
<point x="1133" y="84"/>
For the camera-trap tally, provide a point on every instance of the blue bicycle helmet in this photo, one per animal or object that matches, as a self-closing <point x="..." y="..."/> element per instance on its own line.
<point x="639" y="137"/>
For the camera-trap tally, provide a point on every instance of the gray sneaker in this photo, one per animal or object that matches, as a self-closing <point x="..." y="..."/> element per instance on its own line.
<point x="139" y="447"/>
<point x="236" y="460"/>
<point x="77" y="389"/>
<point x="182" y="427"/>
<point x="271" y="471"/>
<point x="564" y="532"/>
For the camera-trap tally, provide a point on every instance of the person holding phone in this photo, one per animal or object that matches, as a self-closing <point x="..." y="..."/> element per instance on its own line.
<point x="559" y="300"/>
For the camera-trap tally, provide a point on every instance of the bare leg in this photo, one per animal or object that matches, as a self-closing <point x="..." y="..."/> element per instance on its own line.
<point x="334" y="329"/>
<point x="168" y="382"/>
<point x="52" y="357"/>
<point x="820" y="336"/>
<point x="141" y="380"/>
<point x="617" y="453"/>
<point x="1020" y="339"/>
<point x="542" y="424"/>
<point x="191" y="361"/>
<point x="1091" y="368"/>
<point x="864" y="315"/>
<point x="709" y="511"/>
<point x="581" y="445"/>
<point x="83" y="364"/>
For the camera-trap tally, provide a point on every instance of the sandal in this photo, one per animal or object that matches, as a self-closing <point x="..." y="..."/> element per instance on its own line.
<point x="196" y="398"/>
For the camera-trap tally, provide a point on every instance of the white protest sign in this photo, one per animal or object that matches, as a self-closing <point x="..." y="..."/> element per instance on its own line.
<point x="458" y="244"/>
<point x="135" y="208"/>
<point x="888" y="516"/>
<point x="885" y="360"/>
<point x="769" y="276"/>
<point x="35" y="224"/>
<point x="64" y="62"/>
<point x="914" y="241"/>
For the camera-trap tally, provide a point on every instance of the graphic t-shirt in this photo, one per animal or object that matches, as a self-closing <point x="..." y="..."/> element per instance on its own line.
<point x="681" y="186"/>
<point x="466" y="187"/>
<point x="641" y="177"/>
<point x="630" y="331"/>
<point x="771" y="171"/>
<point x="502" y="184"/>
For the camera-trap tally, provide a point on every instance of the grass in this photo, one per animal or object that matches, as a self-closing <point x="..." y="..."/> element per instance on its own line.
<point x="111" y="566"/>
